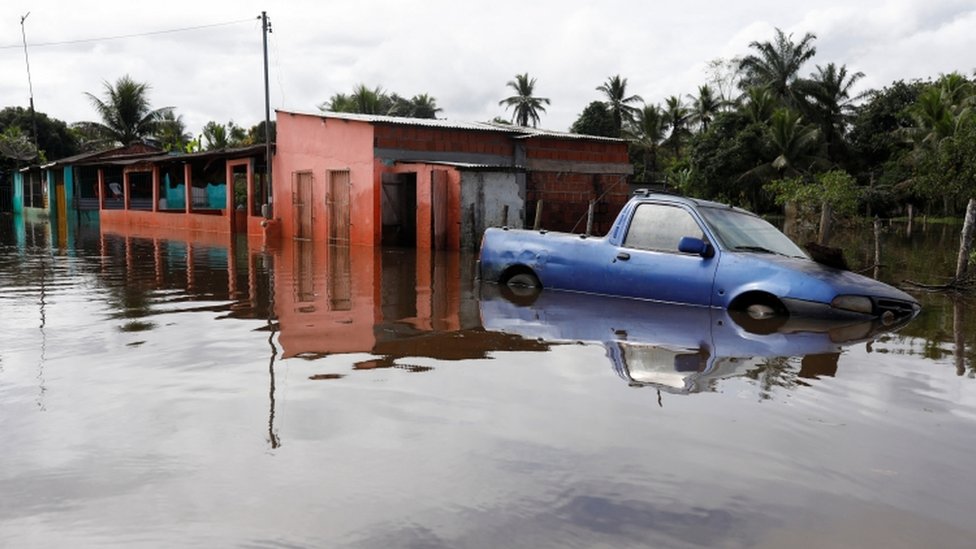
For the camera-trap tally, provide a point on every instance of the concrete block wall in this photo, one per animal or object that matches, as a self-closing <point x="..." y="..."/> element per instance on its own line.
<point x="440" y="140"/>
<point x="566" y="198"/>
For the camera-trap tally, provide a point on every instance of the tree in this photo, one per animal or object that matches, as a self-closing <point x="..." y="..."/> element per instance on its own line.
<point x="365" y="100"/>
<point x="54" y="138"/>
<point x="15" y="145"/>
<point x="733" y="145"/>
<point x="218" y="136"/>
<point x="777" y="65"/>
<point x="944" y="133"/>
<point x="125" y="112"/>
<point x="370" y="101"/>
<point x="704" y="107"/>
<point x="758" y="104"/>
<point x="676" y="117"/>
<point x="339" y="102"/>
<point x="725" y="74"/>
<point x="595" y="119"/>
<point x="831" y="105"/>
<point x="618" y="102"/>
<point x="255" y="135"/>
<point x="648" y="132"/>
<point x="525" y="107"/>
<point x="424" y="106"/>
<point x="172" y="132"/>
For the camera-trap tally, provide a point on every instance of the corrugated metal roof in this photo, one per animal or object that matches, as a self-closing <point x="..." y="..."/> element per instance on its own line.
<point x="467" y="165"/>
<point x="519" y="132"/>
<point x="178" y="157"/>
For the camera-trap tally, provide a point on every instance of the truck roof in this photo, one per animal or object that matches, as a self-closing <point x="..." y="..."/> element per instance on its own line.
<point x="642" y="194"/>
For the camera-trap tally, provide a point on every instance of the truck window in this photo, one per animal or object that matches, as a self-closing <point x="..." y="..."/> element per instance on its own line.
<point x="660" y="227"/>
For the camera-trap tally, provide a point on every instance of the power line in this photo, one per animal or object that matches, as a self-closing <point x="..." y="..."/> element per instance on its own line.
<point x="136" y="35"/>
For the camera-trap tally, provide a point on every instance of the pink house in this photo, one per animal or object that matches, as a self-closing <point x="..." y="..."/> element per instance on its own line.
<point x="378" y="180"/>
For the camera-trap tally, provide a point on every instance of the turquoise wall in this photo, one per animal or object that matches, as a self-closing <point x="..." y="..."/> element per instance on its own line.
<point x="18" y="193"/>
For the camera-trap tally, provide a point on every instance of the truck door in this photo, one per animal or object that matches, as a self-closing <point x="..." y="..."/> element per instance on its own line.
<point x="648" y="264"/>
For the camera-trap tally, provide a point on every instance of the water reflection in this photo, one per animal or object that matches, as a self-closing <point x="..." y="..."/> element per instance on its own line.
<point x="204" y="393"/>
<point x="677" y="348"/>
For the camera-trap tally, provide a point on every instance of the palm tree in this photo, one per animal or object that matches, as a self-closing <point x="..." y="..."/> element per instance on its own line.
<point x="939" y="111"/>
<point x="525" y="107"/>
<point x="704" y="107"/>
<point x="368" y="101"/>
<point x="829" y="91"/>
<point x="424" y="106"/>
<point x="339" y="102"/>
<point x="172" y="132"/>
<point x="796" y="146"/>
<point x="619" y="103"/>
<point x="777" y="65"/>
<point x="218" y="136"/>
<point x="125" y="112"/>
<point x="648" y="131"/>
<point x="676" y="117"/>
<point x="758" y="104"/>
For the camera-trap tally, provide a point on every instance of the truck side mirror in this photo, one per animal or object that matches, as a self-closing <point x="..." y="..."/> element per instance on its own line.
<point x="692" y="245"/>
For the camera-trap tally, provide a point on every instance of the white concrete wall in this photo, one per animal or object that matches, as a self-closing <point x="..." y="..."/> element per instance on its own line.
<point x="484" y="196"/>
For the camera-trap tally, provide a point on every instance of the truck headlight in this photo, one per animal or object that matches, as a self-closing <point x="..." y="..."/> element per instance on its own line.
<point x="855" y="303"/>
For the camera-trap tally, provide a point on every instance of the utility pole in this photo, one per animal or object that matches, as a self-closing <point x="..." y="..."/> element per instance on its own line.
<point x="30" y="86"/>
<point x="265" y="29"/>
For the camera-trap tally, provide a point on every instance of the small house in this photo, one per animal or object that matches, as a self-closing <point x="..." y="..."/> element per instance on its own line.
<point x="390" y="181"/>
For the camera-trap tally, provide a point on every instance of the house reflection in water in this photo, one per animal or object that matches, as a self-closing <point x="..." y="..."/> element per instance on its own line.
<point x="391" y="303"/>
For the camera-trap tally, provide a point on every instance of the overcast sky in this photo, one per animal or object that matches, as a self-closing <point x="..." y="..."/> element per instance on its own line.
<point x="460" y="52"/>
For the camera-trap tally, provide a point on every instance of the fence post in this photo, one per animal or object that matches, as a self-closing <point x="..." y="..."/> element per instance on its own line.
<point x="966" y="241"/>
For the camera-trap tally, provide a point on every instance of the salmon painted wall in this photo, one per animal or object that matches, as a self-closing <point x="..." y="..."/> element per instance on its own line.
<point x="327" y="297"/>
<point x="317" y="145"/>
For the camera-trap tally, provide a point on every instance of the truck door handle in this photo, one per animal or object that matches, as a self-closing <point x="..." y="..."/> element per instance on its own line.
<point x="623" y="256"/>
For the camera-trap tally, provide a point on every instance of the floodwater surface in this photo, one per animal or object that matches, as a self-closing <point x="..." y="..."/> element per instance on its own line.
<point x="193" y="393"/>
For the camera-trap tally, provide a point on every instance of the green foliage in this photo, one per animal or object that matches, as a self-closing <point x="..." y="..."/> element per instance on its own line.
<point x="524" y="104"/>
<point x="595" y="119"/>
<point x="219" y="136"/>
<point x="125" y="112"/>
<point x="172" y="132"/>
<point x="836" y="188"/>
<point x="619" y="104"/>
<point x="944" y="138"/>
<point x="15" y="145"/>
<point x="365" y="100"/>
<point x="731" y="147"/>
<point x="54" y="138"/>
<point x="776" y="66"/>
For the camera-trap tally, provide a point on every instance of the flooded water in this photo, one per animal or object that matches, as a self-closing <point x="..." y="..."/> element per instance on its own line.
<point x="162" y="392"/>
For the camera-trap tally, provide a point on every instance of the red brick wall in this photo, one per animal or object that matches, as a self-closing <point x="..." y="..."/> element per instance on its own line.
<point x="418" y="138"/>
<point x="566" y="197"/>
<point x="578" y="150"/>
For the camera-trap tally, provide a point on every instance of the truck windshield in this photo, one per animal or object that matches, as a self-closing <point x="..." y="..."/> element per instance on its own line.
<point x="740" y="231"/>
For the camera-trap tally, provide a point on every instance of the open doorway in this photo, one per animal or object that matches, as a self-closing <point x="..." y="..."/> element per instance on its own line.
<point x="399" y="204"/>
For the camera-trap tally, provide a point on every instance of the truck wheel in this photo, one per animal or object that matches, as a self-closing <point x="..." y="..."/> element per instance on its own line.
<point x="759" y="313"/>
<point x="523" y="280"/>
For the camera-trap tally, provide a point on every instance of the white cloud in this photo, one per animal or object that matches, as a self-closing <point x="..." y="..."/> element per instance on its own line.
<point x="462" y="53"/>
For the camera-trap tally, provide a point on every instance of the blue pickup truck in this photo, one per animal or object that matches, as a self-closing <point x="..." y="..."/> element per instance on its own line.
<point x="675" y="249"/>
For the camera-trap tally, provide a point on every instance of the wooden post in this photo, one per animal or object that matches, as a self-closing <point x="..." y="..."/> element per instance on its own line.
<point x="966" y="241"/>
<point x="538" y="215"/>
<point x="959" y="336"/>
<point x="826" y="219"/>
<point x="877" y="247"/>
<point x="911" y="219"/>
<point x="505" y="215"/>
<point x="589" y="217"/>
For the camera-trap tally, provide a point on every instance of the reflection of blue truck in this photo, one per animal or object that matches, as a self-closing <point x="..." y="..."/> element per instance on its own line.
<point x="673" y="347"/>
<point x="681" y="250"/>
